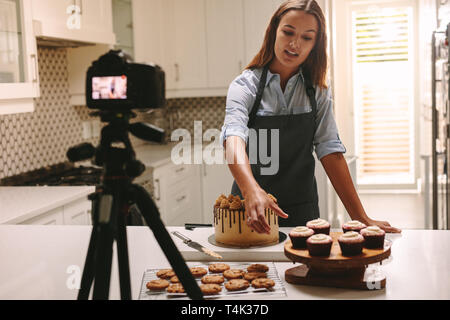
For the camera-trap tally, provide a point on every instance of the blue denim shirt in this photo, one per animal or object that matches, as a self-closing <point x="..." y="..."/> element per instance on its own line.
<point x="242" y="94"/>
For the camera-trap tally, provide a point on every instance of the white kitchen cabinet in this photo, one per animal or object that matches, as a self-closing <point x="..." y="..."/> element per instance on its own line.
<point x="257" y="15"/>
<point x="19" y="76"/>
<point x="177" y="193"/>
<point x="77" y="212"/>
<point x="52" y="217"/>
<point x="78" y="62"/>
<point x="88" y="21"/>
<point x="172" y="34"/>
<point x="225" y="41"/>
<point x="216" y="180"/>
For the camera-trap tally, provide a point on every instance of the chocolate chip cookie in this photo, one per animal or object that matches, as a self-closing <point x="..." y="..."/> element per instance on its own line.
<point x="250" y="276"/>
<point x="198" y="272"/>
<point x="233" y="274"/>
<point x="218" y="267"/>
<point x="263" y="283"/>
<point x="165" y="273"/>
<point x="174" y="279"/>
<point x="156" y="285"/>
<point x="175" y="288"/>
<point x="210" y="289"/>
<point x="216" y="279"/>
<point x="237" y="284"/>
<point x="257" y="268"/>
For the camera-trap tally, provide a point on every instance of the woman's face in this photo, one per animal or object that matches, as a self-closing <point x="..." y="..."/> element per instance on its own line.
<point x="296" y="37"/>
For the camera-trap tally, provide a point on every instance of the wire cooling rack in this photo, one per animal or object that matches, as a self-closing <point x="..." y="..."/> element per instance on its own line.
<point x="276" y="291"/>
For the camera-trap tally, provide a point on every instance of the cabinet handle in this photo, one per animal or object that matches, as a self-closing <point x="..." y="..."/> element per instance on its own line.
<point x="35" y="67"/>
<point x="204" y="170"/>
<point x="181" y="198"/>
<point x="177" y="72"/>
<point x="179" y="170"/>
<point x="159" y="190"/>
<point x="240" y="66"/>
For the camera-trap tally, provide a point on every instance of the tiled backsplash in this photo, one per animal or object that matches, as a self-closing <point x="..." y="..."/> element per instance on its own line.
<point x="30" y="141"/>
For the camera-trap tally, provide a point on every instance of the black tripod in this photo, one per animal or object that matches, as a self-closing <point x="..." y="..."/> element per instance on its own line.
<point x="110" y="204"/>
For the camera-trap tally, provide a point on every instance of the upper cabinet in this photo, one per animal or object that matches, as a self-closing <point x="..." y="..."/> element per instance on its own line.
<point x="202" y="45"/>
<point x="87" y="21"/>
<point x="19" y="76"/>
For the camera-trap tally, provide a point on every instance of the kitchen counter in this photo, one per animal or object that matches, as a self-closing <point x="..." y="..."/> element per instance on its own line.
<point x="50" y="257"/>
<point x="18" y="204"/>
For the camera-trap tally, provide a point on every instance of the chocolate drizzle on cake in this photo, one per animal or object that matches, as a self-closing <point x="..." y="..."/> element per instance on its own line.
<point x="240" y="230"/>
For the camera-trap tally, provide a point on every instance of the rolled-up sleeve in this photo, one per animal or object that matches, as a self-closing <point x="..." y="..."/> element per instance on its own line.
<point x="326" y="138"/>
<point x="240" y="98"/>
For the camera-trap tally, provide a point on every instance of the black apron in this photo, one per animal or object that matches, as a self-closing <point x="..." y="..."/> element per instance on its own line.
<point x="294" y="185"/>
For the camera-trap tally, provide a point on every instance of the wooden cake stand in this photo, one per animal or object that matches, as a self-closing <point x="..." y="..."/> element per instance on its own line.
<point x="337" y="270"/>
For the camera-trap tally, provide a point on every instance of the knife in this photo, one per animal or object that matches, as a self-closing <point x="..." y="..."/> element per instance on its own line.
<point x="197" y="246"/>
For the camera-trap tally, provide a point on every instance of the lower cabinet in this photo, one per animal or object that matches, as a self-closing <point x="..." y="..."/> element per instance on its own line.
<point x="77" y="212"/>
<point x="216" y="180"/>
<point x="186" y="193"/>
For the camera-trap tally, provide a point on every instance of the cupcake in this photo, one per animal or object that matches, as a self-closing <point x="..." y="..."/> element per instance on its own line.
<point x="373" y="237"/>
<point x="351" y="243"/>
<point x="319" y="245"/>
<point x="319" y="226"/>
<point x="299" y="235"/>
<point x="353" y="225"/>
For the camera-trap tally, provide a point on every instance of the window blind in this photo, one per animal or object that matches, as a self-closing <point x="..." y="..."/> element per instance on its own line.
<point x="383" y="94"/>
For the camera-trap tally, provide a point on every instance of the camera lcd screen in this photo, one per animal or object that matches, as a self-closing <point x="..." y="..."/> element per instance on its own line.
<point x="109" y="88"/>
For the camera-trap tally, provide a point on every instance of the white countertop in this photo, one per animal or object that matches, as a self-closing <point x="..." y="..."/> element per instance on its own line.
<point x="47" y="256"/>
<point x="18" y="204"/>
<point x="154" y="155"/>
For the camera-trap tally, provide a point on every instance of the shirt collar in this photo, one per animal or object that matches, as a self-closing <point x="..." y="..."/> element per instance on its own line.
<point x="271" y="75"/>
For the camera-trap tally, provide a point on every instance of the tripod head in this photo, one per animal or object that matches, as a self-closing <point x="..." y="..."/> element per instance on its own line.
<point x="115" y="152"/>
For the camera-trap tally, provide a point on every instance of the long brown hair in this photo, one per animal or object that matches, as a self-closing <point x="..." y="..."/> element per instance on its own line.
<point x="317" y="62"/>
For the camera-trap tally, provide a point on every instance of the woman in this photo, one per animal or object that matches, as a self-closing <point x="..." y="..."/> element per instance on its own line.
<point x="284" y="89"/>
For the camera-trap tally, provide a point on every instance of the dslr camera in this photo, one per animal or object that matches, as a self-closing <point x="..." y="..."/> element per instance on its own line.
<point x="114" y="83"/>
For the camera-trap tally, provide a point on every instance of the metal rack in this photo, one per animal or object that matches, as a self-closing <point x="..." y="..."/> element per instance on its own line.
<point x="440" y="155"/>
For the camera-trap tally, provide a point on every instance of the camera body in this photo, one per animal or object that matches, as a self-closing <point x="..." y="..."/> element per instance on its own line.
<point x="114" y="83"/>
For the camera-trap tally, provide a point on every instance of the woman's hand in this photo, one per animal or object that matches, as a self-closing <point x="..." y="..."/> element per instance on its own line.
<point x="383" y="225"/>
<point x="255" y="202"/>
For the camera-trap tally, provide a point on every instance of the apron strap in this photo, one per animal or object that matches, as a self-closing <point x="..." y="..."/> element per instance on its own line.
<point x="310" y="91"/>
<point x="259" y="94"/>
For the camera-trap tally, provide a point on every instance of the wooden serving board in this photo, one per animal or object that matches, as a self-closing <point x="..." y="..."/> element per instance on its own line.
<point x="337" y="270"/>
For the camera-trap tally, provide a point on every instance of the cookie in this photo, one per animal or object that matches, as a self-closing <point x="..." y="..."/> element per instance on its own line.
<point x="237" y="284"/>
<point x="198" y="272"/>
<point x="165" y="273"/>
<point x="257" y="268"/>
<point x="210" y="288"/>
<point x="218" y="267"/>
<point x="216" y="279"/>
<point x="250" y="276"/>
<point x="233" y="274"/>
<point x="156" y="285"/>
<point x="174" y="279"/>
<point x="263" y="283"/>
<point x="175" y="288"/>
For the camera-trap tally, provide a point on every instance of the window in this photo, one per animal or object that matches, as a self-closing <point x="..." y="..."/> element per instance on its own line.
<point x="383" y="92"/>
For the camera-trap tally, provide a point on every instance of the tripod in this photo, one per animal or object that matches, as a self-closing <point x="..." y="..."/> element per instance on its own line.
<point x="110" y="204"/>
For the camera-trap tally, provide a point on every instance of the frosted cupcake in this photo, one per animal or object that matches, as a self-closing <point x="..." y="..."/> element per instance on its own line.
<point x="319" y="226"/>
<point x="353" y="225"/>
<point x="298" y="237"/>
<point x="319" y="245"/>
<point x="351" y="243"/>
<point x="373" y="237"/>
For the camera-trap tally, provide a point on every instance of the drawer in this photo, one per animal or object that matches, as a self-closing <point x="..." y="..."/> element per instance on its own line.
<point x="180" y="172"/>
<point x="180" y="200"/>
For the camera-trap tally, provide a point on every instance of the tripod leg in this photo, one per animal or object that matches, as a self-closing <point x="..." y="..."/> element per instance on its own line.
<point x="151" y="215"/>
<point x="106" y="214"/>
<point x="89" y="264"/>
<point x="122" y="254"/>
